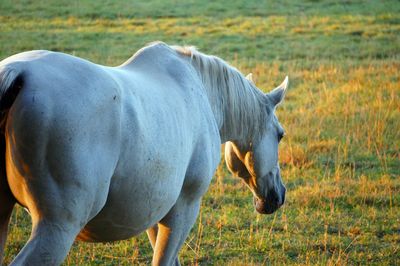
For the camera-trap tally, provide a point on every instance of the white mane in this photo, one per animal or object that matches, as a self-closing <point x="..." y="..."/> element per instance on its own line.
<point x="239" y="107"/>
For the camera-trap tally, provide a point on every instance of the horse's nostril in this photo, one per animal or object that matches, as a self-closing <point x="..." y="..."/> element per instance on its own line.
<point x="271" y="203"/>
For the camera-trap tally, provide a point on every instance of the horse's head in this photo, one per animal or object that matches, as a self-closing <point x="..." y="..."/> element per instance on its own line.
<point x="256" y="161"/>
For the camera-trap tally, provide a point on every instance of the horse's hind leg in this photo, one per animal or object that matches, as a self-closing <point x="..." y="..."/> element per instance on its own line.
<point x="60" y="207"/>
<point x="6" y="208"/>
<point x="60" y="202"/>
<point x="152" y="234"/>
<point x="49" y="243"/>
<point x="7" y="201"/>
<point x="173" y="230"/>
<point x="58" y="214"/>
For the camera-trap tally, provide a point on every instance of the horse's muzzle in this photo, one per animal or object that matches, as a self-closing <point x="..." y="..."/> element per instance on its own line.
<point x="272" y="202"/>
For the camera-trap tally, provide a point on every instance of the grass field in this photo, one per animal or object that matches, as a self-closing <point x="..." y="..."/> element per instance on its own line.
<point x="340" y="158"/>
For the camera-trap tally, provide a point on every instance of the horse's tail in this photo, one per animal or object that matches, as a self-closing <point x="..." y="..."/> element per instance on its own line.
<point x="11" y="82"/>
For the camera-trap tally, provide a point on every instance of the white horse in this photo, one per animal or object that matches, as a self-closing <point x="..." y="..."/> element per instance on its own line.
<point x="104" y="153"/>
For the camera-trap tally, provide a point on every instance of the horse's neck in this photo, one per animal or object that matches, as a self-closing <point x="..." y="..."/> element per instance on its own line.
<point x="237" y="106"/>
<point x="231" y="131"/>
<point x="235" y="120"/>
<point x="238" y="112"/>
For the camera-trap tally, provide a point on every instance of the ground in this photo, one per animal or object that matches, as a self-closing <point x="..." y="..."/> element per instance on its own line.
<point x="340" y="156"/>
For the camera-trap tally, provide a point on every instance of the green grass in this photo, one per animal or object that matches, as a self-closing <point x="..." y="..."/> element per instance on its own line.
<point x="340" y="159"/>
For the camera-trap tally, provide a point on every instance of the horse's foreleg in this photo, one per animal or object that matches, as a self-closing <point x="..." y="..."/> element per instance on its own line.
<point x="173" y="230"/>
<point x="152" y="234"/>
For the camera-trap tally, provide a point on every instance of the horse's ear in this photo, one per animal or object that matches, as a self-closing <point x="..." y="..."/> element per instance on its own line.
<point x="249" y="77"/>
<point x="277" y="94"/>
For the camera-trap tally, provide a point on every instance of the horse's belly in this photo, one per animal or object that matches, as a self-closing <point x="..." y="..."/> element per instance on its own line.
<point x="107" y="231"/>
<point x="131" y="208"/>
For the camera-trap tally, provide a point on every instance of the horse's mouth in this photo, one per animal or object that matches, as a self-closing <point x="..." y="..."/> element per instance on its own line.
<point x="263" y="207"/>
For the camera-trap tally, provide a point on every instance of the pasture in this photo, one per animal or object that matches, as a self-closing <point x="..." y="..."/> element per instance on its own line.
<point x="340" y="157"/>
